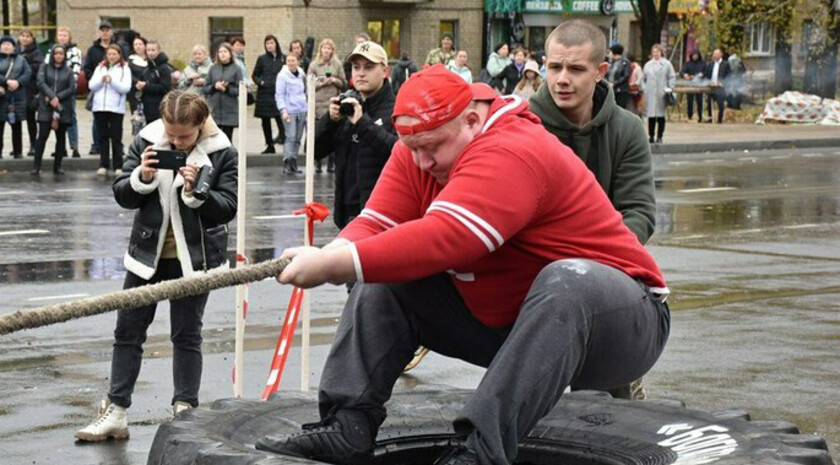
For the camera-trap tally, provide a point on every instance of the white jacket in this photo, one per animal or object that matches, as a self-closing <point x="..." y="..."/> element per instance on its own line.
<point x="110" y="96"/>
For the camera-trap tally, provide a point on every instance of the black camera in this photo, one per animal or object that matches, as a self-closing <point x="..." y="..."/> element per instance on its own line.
<point x="202" y="184"/>
<point x="346" y="109"/>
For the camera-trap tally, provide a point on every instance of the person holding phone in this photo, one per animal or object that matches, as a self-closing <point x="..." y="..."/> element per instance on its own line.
<point x="194" y="76"/>
<point x="110" y="84"/>
<point x="331" y="80"/>
<point x="174" y="235"/>
<point x="222" y="89"/>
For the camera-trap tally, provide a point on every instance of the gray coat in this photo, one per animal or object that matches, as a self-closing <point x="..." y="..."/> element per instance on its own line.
<point x="224" y="106"/>
<point x="56" y="82"/>
<point x="658" y="76"/>
<point x="21" y="73"/>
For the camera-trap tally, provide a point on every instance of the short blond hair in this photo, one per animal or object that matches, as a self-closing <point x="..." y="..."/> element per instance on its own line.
<point x="67" y="30"/>
<point x="658" y="47"/>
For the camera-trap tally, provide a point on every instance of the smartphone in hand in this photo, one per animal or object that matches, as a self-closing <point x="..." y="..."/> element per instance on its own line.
<point x="170" y="159"/>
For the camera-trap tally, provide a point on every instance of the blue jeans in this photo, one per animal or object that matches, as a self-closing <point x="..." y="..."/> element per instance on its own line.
<point x="185" y="315"/>
<point x="294" y="132"/>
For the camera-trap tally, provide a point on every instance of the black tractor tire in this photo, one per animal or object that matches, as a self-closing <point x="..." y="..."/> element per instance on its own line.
<point x="585" y="428"/>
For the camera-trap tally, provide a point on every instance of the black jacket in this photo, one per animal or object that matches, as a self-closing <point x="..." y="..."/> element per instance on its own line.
<point x="35" y="59"/>
<point x="158" y="78"/>
<point x="95" y="54"/>
<point x="20" y="98"/>
<point x="56" y="82"/>
<point x="200" y="228"/>
<point x="265" y="77"/>
<point x="723" y="71"/>
<point x="694" y="68"/>
<point x="404" y="68"/>
<point x="511" y="77"/>
<point x="620" y="70"/>
<point x="361" y="151"/>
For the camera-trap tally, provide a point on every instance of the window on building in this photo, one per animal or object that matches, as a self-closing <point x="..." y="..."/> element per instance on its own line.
<point x="450" y="26"/>
<point x="535" y="38"/>
<point x="223" y="29"/>
<point x="386" y="32"/>
<point x="121" y="25"/>
<point x="761" y="36"/>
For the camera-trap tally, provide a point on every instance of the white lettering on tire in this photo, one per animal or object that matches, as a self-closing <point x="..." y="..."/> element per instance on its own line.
<point x="697" y="446"/>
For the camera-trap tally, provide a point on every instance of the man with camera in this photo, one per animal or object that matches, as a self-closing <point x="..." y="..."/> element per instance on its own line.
<point x="358" y="129"/>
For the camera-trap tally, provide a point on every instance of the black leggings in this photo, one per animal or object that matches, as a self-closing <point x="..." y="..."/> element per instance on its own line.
<point x="109" y="126"/>
<point x="31" y="128"/>
<point x="653" y="129"/>
<point x="266" y="127"/>
<point x="228" y="130"/>
<point x="60" y="147"/>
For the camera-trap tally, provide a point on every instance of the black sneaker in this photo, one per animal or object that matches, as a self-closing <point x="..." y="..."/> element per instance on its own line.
<point x="345" y="439"/>
<point x="458" y="455"/>
<point x="268" y="150"/>
<point x="94" y="151"/>
<point x="76" y="153"/>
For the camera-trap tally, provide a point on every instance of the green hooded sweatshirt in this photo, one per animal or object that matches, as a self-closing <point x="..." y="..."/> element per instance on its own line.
<point x="615" y="148"/>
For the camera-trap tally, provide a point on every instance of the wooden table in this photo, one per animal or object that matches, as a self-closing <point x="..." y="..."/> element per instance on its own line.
<point x="688" y="87"/>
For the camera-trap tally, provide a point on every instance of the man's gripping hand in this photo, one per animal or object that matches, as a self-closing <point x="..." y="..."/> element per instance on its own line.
<point x="311" y="266"/>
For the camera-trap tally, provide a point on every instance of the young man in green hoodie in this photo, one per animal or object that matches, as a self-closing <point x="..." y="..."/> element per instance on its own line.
<point x="577" y="105"/>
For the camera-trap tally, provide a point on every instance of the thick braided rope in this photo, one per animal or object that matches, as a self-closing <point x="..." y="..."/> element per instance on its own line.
<point x="139" y="296"/>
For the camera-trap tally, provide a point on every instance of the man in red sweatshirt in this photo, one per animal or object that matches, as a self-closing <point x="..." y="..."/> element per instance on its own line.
<point x="487" y="240"/>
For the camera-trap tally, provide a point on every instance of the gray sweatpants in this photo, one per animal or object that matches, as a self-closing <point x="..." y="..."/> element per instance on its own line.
<point x="582" y="324"/>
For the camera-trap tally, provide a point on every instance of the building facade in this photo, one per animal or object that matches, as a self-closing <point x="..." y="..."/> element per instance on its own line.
<point x="529" y="22"/>
<point x="410" y="26"/>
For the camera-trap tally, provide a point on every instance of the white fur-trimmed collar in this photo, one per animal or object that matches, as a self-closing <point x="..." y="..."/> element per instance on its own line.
<point x="155" y="134"/>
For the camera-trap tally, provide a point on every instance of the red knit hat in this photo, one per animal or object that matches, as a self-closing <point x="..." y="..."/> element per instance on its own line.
<point x="435" y="96"/>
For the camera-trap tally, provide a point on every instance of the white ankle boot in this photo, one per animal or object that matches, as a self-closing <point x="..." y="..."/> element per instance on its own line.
<point x="180" y="406"/>
<point x="112" y="422"/>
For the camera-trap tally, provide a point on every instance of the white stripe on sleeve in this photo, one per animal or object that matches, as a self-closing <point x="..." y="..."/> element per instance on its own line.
<point x="357" y="264"/>
<point x="379" y="216"/>
<point x="479" y="233"/>
<point x="473" y="217"/>
<point x="369" y="217"/>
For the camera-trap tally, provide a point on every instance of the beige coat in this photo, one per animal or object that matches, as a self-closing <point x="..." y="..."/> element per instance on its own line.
<point x="326" y="88"/>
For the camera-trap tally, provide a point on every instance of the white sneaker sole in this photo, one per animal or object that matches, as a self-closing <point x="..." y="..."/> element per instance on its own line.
<point x="89" y="437"/>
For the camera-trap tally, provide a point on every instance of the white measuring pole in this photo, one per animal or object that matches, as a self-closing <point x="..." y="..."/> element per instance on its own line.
<point x="309" y="194"/>
<point x="241" y="291"/>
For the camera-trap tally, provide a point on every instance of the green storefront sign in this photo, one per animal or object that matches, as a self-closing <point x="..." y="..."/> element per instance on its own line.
<point x="586" y="7"/>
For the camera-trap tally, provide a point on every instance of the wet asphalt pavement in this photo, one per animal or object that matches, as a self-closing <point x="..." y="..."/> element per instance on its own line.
<point x="749" y="243"/>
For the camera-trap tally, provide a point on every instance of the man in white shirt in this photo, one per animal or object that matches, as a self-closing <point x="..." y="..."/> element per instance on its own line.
<point x="718" y="70"/>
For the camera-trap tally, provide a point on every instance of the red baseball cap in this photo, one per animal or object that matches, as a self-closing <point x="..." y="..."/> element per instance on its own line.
<point x="481" y="91"/>
<point x="435" y="96"/>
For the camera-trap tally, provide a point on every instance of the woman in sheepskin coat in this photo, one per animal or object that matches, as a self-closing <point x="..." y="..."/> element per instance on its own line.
<point x="176" y="233"/>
